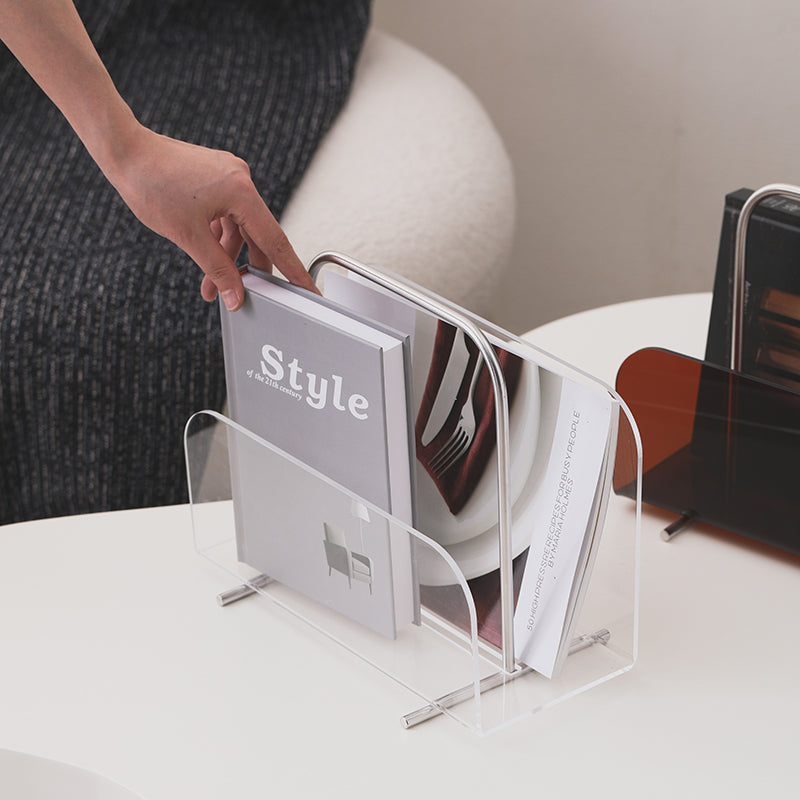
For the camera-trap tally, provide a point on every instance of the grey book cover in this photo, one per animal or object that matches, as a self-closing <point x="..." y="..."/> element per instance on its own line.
<point x="330" y="391"/>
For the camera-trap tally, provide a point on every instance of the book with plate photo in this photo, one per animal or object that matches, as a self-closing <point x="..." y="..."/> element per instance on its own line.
<point x="329" y="390"/>
<point x="562" y="446"/>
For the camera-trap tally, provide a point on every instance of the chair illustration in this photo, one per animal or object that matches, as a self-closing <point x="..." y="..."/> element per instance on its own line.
<point x="355" y="566"/>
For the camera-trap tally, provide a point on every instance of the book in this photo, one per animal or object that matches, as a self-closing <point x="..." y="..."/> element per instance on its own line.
<point x="554" y="550"/>
<point x="561" y="430"/>
<point x="771" y="291"/>
<point x="328" y="390"/>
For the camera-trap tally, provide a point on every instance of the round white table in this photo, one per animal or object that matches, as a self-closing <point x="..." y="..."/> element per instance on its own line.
<point x="599" y="340"/>
<point x="115" y="658"/>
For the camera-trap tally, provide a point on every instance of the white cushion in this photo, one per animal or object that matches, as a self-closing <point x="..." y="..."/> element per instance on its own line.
<point x="412" y="176"/>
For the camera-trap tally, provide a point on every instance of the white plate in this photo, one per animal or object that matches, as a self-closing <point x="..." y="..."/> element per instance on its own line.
<point x="480" y="554"/>
<point x="479" y="514"/>
<point x="29" y="777"/>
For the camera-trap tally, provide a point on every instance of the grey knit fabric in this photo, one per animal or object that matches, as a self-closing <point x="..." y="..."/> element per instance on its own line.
<point x="106" y="347"/>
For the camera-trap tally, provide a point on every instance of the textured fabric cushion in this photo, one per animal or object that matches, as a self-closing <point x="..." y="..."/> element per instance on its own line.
<point x="413" y="176"/>
<point x="106" y="347"/>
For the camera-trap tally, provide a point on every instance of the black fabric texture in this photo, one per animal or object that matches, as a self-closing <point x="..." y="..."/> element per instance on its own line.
<point x="106" y="347"/>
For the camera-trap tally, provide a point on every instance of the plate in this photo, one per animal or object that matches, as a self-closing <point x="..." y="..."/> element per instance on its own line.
<point x="479" y="514"/>
<point x="479" y="554"/>
<point x="29" y="777"/>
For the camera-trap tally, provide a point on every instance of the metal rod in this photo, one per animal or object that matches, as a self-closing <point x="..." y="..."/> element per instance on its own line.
<point x="440" y="309"/>
<point x="680" y="524"/>
<point x="245" y="590"/>
<point x="492" y="682"/>
<point x="737" y="306"/>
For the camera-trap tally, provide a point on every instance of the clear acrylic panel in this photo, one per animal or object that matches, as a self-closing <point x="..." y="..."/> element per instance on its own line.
<point x="438" y="656"/>
<point x="339" y="559"/>
<point x="445" y="606"/>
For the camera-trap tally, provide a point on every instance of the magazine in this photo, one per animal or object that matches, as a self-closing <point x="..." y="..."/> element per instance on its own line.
<point x="562" y="447"/>
<point x="329" y="390"/>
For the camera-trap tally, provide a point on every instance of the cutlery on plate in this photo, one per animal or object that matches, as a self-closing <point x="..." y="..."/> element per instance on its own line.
<point x="448" y="389"/>
<point x="460" y="440"/>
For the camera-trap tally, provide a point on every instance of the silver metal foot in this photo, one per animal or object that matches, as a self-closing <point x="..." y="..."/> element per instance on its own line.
<point x="245" y="590"/>
<point x="680" y="524"/>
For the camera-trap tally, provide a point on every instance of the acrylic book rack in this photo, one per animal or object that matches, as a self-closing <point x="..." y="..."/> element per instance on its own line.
<point x="444" y="661"/>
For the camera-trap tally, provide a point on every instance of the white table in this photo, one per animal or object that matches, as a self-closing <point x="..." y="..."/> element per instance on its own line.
<point x="115" y="657"/>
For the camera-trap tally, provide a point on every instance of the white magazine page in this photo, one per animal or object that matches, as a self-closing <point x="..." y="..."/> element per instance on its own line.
<point x="563" y="510"/>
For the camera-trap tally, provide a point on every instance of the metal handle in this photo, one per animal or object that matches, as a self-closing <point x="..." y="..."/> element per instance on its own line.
<point x="439" y="308"/>
<point x="737" y="318"/>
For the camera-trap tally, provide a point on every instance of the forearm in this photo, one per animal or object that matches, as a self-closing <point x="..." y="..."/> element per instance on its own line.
<point x="201" y="199"/>
<point x="50" y="41"/>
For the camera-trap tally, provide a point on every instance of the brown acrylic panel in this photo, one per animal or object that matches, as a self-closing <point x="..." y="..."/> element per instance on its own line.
<point x="716" y="443"/>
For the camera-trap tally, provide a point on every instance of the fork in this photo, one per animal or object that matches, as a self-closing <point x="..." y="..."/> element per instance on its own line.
<point x="460" y="440"/>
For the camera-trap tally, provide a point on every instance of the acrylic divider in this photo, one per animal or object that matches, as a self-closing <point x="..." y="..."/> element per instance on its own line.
<point x="442" y="660"/>
<point x="338" y="557"/>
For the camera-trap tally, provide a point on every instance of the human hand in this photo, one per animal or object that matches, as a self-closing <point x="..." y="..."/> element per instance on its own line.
<point x="204" y="201"/>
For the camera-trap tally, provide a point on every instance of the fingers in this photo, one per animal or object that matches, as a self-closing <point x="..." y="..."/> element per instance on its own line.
<point x="255" y="256"/>
<point x="268" y="244"/>
<point x="237" y="214"/>
<point x="230" y="238"/>
<point x="207" y="289"/>
<point x="226" y="232"/>
<point x="221" y="274"/>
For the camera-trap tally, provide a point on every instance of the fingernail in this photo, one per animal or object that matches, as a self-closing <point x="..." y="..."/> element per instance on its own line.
<point x="231" y="299"/>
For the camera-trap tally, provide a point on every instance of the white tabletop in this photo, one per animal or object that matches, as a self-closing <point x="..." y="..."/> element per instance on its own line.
<point x="115" y="657"/>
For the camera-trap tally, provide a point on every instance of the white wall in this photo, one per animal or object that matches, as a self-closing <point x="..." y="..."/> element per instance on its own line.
<point x="627" y="121"/>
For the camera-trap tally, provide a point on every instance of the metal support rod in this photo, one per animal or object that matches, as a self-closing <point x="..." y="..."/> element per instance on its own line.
<point x="442" y="310"/>
<point x="245" y="590"/>
<point x="737" y="317"/>
<point x="680" y="524"/>
<point x="492" y="682"/>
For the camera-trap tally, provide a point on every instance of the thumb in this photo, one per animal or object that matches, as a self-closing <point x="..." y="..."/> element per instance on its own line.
<point x="221" y="274"/>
